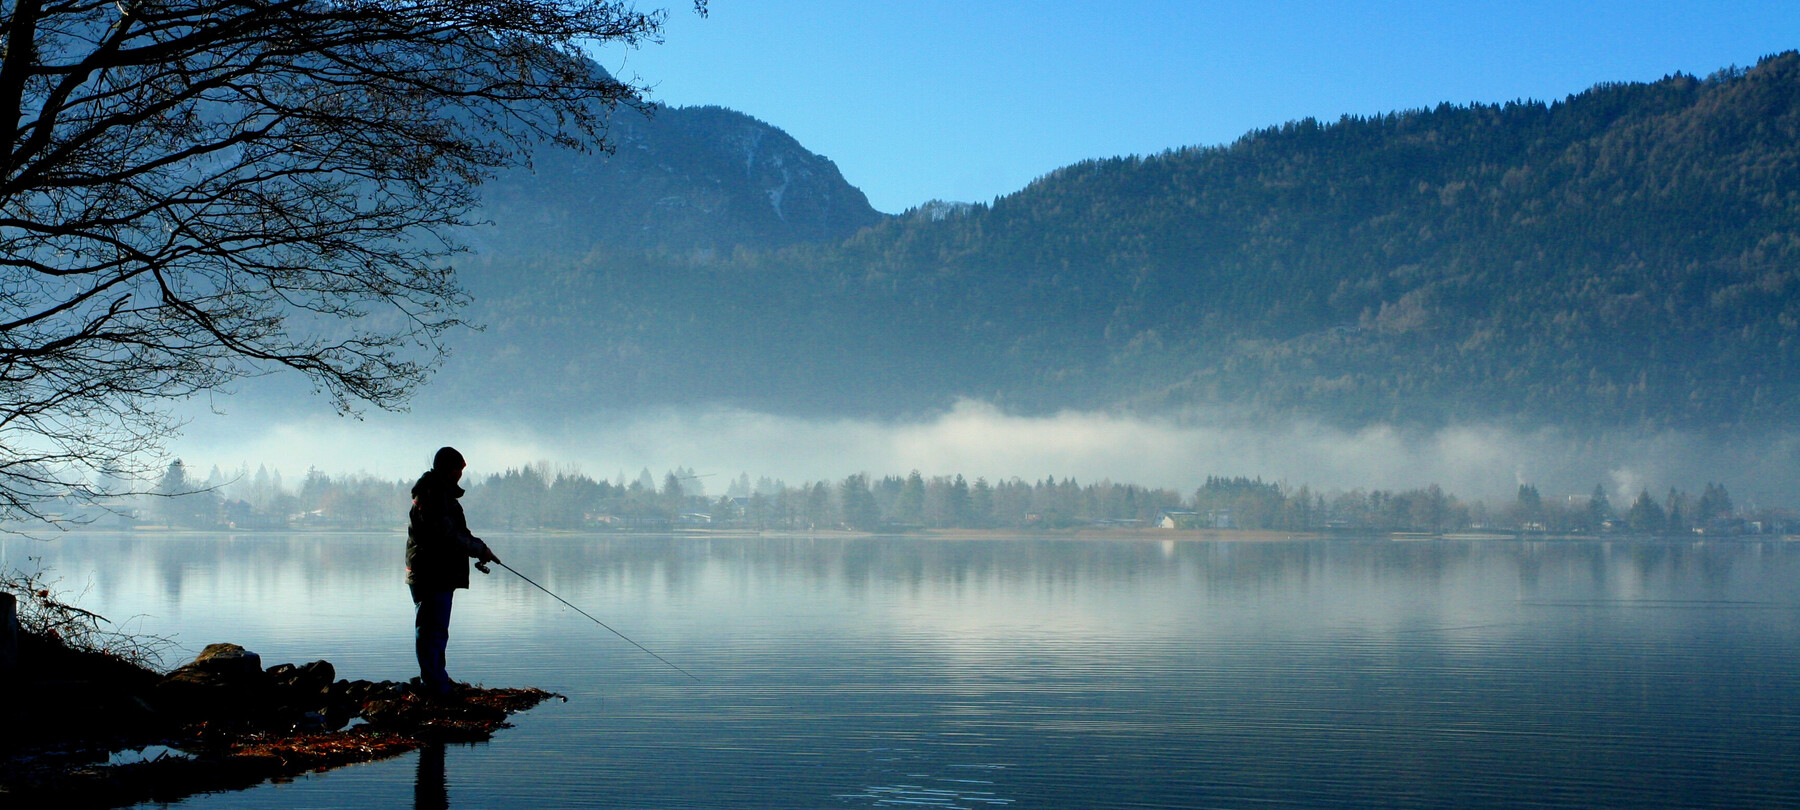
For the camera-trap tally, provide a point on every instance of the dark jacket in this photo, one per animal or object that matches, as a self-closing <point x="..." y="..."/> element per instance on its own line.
<point x="438" y="542"/>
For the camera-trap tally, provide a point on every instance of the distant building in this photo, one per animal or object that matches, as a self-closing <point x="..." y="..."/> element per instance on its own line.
<point x="1128" y="523"/>
<point x="634" y="521"/>
<point x="1178" y="519"/>
<point x="240" y="514"/>
<point x="1723" y="527"/>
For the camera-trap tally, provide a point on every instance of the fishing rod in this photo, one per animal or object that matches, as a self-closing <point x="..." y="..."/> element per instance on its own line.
<point x="484" y="569"/>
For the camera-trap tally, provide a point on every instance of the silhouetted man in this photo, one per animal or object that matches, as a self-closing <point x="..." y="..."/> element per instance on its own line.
<point x="438" y="548"/>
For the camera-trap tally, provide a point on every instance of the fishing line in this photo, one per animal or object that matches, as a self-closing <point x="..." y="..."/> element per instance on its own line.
<point x="483" y="567"/>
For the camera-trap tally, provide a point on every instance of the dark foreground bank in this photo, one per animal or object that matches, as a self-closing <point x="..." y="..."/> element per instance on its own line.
<point x="221" y="722"/>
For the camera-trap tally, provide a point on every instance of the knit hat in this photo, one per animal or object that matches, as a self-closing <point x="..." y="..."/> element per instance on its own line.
<point x="448" y="459"/>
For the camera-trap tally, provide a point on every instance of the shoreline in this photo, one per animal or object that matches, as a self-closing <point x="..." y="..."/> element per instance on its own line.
<point x="225" y="762"/>
<point x="102" y="732"/>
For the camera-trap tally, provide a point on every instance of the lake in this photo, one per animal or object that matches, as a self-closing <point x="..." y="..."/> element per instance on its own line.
<point x="1030" y="672"/>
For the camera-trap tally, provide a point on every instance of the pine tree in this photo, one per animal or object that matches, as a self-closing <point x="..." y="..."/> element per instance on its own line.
<point x="1599" y="508"/>
<point x="172" y="491"/>
<point x="910" y="507"/>
<point x="858" y="503"/>
<point x="958" y="503"/>
<point x="1645" y="515"/>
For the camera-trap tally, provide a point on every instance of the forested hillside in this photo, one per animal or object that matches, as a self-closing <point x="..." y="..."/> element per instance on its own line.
<point x="698" y="179"/>
<point x="1626" y="256"/>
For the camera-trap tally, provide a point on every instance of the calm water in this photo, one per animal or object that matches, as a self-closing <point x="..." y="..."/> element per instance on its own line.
<point x="1034" y="672"/>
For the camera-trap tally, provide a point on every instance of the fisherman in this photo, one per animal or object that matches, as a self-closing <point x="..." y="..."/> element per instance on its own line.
<point x="438" y="548"/>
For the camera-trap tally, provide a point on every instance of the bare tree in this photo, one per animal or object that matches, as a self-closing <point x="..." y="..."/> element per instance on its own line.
<point x="195" y="191"/>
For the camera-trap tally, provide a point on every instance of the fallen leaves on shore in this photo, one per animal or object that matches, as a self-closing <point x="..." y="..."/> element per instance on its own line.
<point x="221" y="757"/>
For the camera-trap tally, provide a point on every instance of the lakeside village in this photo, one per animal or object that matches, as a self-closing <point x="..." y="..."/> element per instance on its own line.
<point x="545" y="496"/>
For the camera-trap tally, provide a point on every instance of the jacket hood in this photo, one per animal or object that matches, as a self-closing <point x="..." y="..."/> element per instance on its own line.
<point x="432" y="481"/>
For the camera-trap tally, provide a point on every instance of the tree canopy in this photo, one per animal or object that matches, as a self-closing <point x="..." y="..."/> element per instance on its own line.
<point x="193" y="191"/>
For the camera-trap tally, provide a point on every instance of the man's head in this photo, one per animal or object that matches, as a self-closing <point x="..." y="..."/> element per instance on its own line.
<point x="448" y="460"/>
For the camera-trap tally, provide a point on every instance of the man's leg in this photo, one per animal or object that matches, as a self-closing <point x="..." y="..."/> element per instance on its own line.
<point x="431" y="633"/>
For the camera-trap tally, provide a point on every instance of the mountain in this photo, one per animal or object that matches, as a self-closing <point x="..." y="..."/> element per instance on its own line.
<point x="680" y="178"/>
<point x="1626" y="256"/>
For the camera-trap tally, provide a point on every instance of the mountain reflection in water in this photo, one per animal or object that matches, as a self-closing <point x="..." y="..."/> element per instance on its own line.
<point x="1033" y="672"/>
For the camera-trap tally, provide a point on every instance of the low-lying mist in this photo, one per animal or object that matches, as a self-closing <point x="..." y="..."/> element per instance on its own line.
<point x="975" y="439"/>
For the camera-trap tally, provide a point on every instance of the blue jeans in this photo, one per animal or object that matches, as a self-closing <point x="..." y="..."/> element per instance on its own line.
<point x="431" y="633"/>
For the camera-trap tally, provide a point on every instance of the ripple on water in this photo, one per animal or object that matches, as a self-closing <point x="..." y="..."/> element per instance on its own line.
<point x="896" y="673"/>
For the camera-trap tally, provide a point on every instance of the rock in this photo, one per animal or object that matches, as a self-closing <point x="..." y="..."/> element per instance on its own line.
<point x="337" y="715"/>
<point x="225" y="680"/>
<point x="228" y="663"/>
<point x="359" y="691"/>
<point x="308" y="679"/>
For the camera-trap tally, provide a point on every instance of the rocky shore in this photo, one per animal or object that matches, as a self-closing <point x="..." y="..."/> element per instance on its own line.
<point x="95" y="731"/>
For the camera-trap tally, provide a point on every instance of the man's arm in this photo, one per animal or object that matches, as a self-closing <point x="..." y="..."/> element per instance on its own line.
<point x="477" y="548"/>
<point x="458" y="532"/>
<point x="472" y="545"/>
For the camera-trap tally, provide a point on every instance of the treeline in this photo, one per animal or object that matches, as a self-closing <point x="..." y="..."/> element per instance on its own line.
<point x="181" y="498"/>
<point x="560" y="497"/>
<point x="1626" y="256"/>
<point x="1255" y="504"/>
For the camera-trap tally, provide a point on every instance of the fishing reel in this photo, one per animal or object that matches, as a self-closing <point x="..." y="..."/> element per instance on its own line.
<point x="482" y="566"/>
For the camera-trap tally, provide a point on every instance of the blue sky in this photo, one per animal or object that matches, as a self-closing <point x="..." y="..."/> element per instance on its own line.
<point x="971" y="100"/>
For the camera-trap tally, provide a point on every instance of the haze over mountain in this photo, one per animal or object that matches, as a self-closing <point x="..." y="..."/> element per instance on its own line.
<point x="1626" y="256"/>
<point x="1600" y="289"/>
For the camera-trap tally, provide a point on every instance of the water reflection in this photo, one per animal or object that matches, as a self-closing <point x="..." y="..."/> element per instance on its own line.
<point x="431" y="791"/>
<point x="1041" y="672"/>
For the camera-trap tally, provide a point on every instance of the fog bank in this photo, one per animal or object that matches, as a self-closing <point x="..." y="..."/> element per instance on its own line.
<point x="976" y="439"/>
